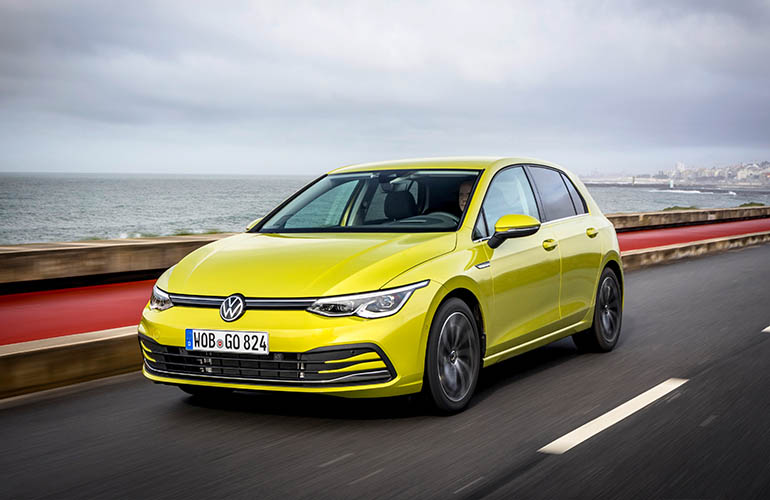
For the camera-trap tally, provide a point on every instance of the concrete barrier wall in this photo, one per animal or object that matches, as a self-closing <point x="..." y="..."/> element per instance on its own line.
<point x="50" y="261"/>
<point x="49" y="363"/>
<point x="673" y="218"/>
<point x="56" y="261"/>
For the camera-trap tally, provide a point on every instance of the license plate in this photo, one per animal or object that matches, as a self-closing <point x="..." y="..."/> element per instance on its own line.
<point x="227" y="341"/>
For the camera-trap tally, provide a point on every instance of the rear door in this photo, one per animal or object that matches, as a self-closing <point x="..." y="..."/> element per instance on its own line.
<point x="525" y="275"/>
<point x="568" y="219"/>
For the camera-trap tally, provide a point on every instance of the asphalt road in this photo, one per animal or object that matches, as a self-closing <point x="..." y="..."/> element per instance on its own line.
<point x="699" y="320"/>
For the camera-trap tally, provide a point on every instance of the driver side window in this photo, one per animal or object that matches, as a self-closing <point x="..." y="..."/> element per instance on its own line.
<point x="509" y="193"/>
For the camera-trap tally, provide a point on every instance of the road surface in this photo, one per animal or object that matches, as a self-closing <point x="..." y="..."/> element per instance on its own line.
<point x="698" y="320"/>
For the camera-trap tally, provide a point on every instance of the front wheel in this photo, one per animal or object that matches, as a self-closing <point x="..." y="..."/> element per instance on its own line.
<point x="608" y="316"/>
<point x="453" y="357"/>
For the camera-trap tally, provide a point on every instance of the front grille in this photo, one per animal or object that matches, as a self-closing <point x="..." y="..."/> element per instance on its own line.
<point x="214" y="301"/>
<point x="343" y="365"/>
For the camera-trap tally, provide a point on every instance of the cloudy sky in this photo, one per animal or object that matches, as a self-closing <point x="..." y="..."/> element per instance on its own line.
<point x="301" y="87"/>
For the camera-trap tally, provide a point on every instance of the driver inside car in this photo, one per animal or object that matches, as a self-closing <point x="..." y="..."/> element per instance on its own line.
<point x="465" y="192"/>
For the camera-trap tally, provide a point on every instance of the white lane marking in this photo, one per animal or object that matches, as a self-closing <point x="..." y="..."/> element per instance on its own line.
<point x="708" y="420"/>
<point x="363" y="478"/>
<point x="612" y="417"/>
<point x="766" y="330"/>
<point x="468" y="485"/>
<point x="335" y="460"/>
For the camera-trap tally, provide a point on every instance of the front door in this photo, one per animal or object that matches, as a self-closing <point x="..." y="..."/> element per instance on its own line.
<point x="525" y="272"/>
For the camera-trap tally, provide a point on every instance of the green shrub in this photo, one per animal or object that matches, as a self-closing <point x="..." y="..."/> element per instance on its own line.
<point x="677" y="207"/>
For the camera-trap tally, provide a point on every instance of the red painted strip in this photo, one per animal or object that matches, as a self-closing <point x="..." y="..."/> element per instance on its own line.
<point x="635" y="240"/>
<point x="55" y="313"/>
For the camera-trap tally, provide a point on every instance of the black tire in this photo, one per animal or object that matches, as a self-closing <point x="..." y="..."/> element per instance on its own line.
<point x="453" y="358"/>
<point x="204" y="392"/>
<point x="608" y="316"/>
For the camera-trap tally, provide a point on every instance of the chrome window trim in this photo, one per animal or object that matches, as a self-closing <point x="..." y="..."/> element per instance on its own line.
<point x="563" y="219"/>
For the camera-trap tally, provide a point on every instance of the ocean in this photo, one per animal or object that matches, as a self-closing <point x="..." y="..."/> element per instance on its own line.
<point x="73" y="207"/>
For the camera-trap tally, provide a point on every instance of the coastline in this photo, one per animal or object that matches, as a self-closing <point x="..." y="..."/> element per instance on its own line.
<point x="717" y="188"/>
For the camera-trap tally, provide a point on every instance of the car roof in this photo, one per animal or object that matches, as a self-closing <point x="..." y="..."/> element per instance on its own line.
<point x="448" y="163"/>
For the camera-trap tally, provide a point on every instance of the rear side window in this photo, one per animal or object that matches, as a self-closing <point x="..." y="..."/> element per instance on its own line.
<point x="553" y="193"/>
<point x="577" y="200"/>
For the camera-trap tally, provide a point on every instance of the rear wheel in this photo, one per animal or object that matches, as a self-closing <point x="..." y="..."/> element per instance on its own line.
<point x="453" y="357"/>
<point x="608" y="316"/>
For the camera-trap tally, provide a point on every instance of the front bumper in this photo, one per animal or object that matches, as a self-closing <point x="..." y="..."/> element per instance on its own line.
<point x="347" y="356"/>
<point x="324" y="366"/>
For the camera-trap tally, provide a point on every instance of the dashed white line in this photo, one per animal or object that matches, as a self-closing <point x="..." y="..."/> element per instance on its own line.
<point x="335" y="460"/>
<point x="597" y="425"/>
<point x="458" y="490"/>
<point x="363" y="478"/>
<point x="766" y="330"/>
<point x="708" y="420"/>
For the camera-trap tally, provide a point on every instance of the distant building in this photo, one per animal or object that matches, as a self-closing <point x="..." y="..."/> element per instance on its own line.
<point x="746" y="173"/>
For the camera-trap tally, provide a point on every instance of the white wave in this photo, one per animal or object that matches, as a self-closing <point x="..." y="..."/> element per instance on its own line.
<point x="679" y="191"/>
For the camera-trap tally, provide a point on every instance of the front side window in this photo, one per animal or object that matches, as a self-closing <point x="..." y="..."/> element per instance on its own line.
<point x="553" y="193"/>
<point x="383" y="201"/>
<point x="509" y="193"/>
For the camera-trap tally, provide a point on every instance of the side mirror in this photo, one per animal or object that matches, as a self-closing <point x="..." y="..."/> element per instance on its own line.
<point x="513" y="226"/>
<point x="252" y="224"/>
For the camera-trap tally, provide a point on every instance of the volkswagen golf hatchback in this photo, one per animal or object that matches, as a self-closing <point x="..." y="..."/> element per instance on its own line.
<point x="391" y="278"/>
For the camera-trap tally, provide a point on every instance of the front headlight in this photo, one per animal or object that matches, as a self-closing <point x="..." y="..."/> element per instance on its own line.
<point x="160" y="301"/>
<point x="366" y="305"/>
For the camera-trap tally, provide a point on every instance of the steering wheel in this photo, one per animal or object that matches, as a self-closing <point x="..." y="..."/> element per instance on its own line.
<point x="452" y="217"/>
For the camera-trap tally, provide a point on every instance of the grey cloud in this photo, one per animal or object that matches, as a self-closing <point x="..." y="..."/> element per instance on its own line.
<point x="155" y="82"/>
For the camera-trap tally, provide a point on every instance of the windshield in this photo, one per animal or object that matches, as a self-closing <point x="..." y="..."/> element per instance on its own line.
<point x="382" y="201"/>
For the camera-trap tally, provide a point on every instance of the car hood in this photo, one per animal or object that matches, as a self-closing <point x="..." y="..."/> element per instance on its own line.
<point x="302" y="265"/>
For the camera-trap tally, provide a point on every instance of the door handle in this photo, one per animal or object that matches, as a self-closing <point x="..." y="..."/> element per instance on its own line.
<point x="592" y="232"/>
<point x="550" y="244"/>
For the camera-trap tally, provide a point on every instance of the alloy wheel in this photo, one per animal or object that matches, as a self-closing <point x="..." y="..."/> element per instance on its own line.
<point x="458" y="356"/>
<point x="609" y="309"/>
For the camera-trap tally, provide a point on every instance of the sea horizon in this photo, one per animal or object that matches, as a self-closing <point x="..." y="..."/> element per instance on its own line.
<point x="57" y="206"/>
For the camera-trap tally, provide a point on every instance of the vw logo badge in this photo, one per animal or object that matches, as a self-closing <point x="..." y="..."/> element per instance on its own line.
<point x="232" y="307"/>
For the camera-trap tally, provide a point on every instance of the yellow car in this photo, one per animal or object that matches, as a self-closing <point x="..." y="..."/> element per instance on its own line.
<point x="391" y="278"/>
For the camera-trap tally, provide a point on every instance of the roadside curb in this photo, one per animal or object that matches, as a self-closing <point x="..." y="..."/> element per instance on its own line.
<point x="636" y="259"/>
<point x="49" y="363"/>
<point x="45" y="364"/>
